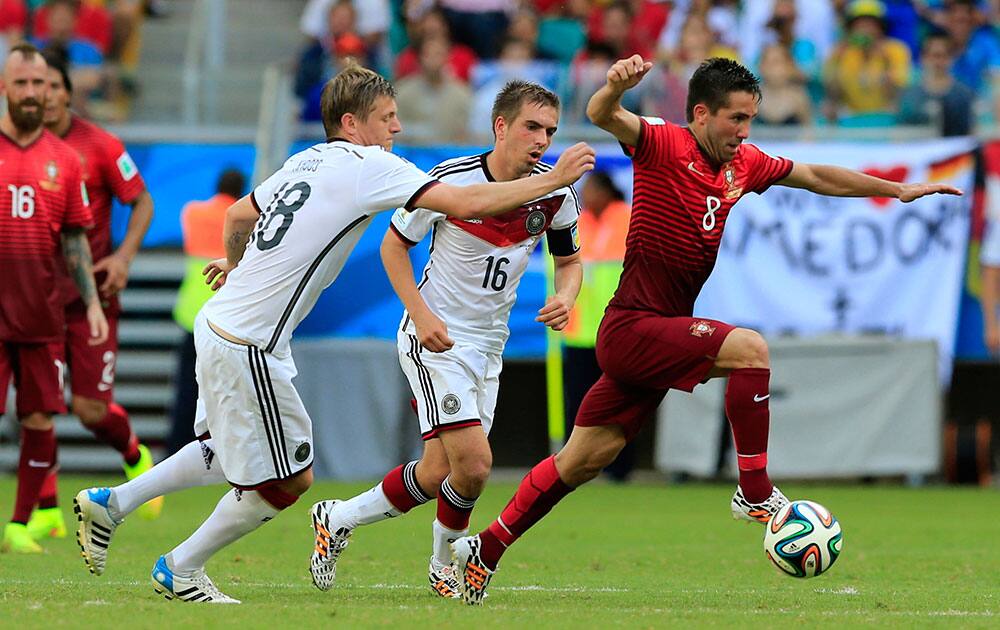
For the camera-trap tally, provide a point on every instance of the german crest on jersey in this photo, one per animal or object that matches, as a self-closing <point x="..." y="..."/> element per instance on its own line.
<point x="51" y="173"/>
<point x="450" y="404"/>
<point x="535" y="222"/>
<point x="701" y="328"/>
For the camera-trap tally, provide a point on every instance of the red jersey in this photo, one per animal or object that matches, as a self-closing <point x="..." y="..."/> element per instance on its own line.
<point x="41" y="194"/>
<point x="109" y="173"/>
<point x="679" y="209"/>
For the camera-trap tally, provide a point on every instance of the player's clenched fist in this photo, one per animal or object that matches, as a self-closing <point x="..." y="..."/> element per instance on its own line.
<point x="573" y="163"/>
<point x="626" y="73"/>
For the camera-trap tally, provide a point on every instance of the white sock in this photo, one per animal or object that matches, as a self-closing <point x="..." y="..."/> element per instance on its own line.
<point x="443" y="537"/>
<point x="237" y="514"/>
<point x="368" y="507"/>
<point x="193" y="465"/>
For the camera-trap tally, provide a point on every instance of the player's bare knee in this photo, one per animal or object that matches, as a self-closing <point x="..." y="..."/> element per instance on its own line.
<point x="472" y="469"/>
<point x="431" y="472"/>
<point x="752" y="351"/>
<point x="298" y="484"/>
<point x="88" y="410"/>
<point x="37" y="421"/>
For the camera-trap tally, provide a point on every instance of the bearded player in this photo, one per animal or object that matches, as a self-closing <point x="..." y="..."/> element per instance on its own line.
<point x="108" y="172"/>
<point x="43" y="211"/>
<point x="686" y="180"/>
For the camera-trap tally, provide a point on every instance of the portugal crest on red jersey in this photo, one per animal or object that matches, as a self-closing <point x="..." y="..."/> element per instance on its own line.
<point x="701" y="328"/>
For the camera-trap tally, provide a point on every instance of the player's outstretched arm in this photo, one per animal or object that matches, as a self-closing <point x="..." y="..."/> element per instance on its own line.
<point x="431" y="331"/>
<point x="116" y="265"/>
<point x="76" y="252"/>
<point x="482" y="200"/>
<point x="240" y="219"/>
<point x="605" y="107"/>
<point x="837" y="181"/>
<point x="568" y="278"/>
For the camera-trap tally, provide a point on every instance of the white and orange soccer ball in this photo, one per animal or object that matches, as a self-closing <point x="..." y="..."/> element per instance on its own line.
<point x="803" y="539"/>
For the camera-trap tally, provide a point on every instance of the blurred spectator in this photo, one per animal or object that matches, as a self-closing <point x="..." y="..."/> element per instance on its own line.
<point x="815" y="21"/>
<point x="902" y="22"/>
<point x="515" y="62"/>
<point x="524" y="27"/>
<point x="781" y="30"/>
<point x="13" y="20"/>
<point x="323" y="58"/>
<point x="937" y="98"/>
<point x="93" y="23"/>
<point x="433" y="105"/>
<point x="201" y="226"/>
<point x="867" y="70"/>
<point x="563" y="33"/>
<point x="373" y="18"/>
<point x="433" y="25"/>
<point x="719" y="15"/>
<point x="666" y="95"/>
<point x="784" y="100"/>
<point x="479" y="24"/>
<point x="83" y="57"/>
<point x="617" y="32"/>
<point x="977" y="51"/>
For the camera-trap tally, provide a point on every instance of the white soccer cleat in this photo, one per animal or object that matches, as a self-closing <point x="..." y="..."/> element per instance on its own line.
<point x="192" y="587"/>
<point x="757" y="512"/>
<point x="331" y="539"/>
<point x="442" y="579"/>
<point x="96" y="527"/>
<point x="474" y="575"/>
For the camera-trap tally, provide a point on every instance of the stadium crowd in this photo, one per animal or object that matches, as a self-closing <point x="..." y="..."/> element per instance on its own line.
<point x="99" y="39"/>
<point x="823" y="62"/>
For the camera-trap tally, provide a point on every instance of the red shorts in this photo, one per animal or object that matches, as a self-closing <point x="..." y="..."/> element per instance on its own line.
<point x="91" y="368"/>
<point x="642" y="356"/>
<point x="37" y="369"/>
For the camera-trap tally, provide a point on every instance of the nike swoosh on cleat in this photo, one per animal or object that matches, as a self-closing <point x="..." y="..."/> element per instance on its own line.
<point x="759" y="398"/>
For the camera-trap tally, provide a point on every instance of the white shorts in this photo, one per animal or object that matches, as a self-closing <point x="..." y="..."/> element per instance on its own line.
<point x="259" y="426"/>
<point x="453" y="389"/>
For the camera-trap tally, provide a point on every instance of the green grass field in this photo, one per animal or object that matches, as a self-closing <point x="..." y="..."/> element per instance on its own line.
<point x="632" y="556"/>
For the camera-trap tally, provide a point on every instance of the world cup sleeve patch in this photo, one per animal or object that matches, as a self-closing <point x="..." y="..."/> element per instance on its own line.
<point x="126" y="166"/>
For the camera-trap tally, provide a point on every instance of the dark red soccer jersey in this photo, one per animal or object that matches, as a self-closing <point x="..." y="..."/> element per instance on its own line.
<point x="41" y="194"/>
<point x="109" y="173"/>
<point x="679" y="209"/>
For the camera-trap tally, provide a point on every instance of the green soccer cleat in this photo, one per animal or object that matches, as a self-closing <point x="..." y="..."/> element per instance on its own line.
<point x="47" y="523"/>
<point x="150" y="509"/>
<point x="16" y="539"/>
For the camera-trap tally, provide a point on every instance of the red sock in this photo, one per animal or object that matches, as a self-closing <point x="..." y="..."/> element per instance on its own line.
<point x="47" y="496"/>
<point x="401" y="488"/>
<point x="747" y="409"/>
<point x="538" y="493"/>
<point x="116" y="431"/>
<point x="38" y="456"/>
<point x="453" y="510"/>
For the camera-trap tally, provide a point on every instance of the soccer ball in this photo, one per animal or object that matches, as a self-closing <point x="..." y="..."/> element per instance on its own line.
<point x="803" y="539"/>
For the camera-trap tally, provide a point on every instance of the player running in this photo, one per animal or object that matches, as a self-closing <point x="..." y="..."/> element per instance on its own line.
<point x="285" y="242"/>
<point x="42" y="202"/>
<point x="454" y="328"/>
<point x="686" y="182"/>
<point x="108" y="171"/>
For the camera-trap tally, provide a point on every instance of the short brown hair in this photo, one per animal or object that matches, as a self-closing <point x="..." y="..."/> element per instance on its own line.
<point x="28" y="51"/>
<point x="353" y="91"/>
<point x="515" y="94"/>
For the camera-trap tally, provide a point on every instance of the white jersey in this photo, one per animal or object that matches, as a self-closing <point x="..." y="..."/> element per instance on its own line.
<point x="475" y="265"/>
<point x="313" y="211"/>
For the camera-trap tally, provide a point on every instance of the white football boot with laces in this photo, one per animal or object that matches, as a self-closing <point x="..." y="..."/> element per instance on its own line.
<point x="96" y="526"/>
<point x="187" y="587"/>
<point x="442" y="578"/>
<point x="757" y="512"/>
<point x="473" y="575"/>
<point x="331" y="539"/>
